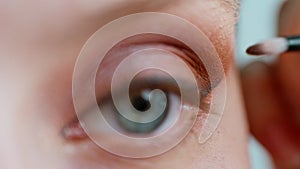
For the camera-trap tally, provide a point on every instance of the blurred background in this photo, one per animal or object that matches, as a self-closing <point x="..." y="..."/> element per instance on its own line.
<point x="258" y="21"/>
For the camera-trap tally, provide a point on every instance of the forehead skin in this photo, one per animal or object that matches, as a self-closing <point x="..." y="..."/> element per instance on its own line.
<point x="44" y="28"/>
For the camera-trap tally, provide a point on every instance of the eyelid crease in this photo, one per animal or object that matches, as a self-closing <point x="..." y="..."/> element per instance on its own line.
<point x="180" y="50"/>
<point x="150" y="40"/>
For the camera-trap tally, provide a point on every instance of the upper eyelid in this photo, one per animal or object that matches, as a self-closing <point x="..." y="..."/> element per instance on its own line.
<point x="175" y="49"/>
<point x="179" y="49"/>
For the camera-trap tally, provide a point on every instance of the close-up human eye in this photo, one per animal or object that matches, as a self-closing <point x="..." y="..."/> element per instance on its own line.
<point x="152" y="93"/>
<point x="137" y="84"/>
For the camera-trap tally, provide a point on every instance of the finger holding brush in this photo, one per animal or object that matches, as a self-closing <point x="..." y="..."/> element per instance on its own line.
<point x="276" y="46"/>
<point x="272" y="92"/>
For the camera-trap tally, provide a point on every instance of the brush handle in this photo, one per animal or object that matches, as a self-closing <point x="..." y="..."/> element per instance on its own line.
<point x="293" y="43"/>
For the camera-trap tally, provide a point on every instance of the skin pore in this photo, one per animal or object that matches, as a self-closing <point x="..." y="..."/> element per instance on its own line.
<point x="39" y="44"/>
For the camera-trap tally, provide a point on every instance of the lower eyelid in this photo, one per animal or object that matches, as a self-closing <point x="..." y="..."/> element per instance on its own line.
<point x="74" y="131"/>
<point x="85" y="149"/>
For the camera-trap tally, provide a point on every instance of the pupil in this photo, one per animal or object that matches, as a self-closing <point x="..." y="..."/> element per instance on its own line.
<point x="141" y="104"/>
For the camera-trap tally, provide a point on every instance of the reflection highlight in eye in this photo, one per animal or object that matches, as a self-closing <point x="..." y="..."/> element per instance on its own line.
<point x="96" y="125"/>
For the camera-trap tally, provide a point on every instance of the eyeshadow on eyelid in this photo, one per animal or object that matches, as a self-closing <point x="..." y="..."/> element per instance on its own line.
<point x="137" y="42"/>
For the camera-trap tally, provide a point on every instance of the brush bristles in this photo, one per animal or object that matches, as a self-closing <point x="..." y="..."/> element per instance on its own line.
<point x="272" y="47"/>
<point x="256" y="50"/>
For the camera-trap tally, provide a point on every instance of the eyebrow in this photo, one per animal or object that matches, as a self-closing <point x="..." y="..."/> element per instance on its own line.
<point x="234" y="5"/>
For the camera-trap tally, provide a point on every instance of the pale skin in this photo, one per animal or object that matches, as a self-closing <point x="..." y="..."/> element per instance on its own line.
<point x="39" y="45"/>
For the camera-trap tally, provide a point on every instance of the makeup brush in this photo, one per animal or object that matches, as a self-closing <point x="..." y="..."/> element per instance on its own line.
<point x="275" y="46"/>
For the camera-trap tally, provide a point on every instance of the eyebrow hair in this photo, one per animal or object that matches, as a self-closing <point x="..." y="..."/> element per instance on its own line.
<point x="231" y="4"/>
